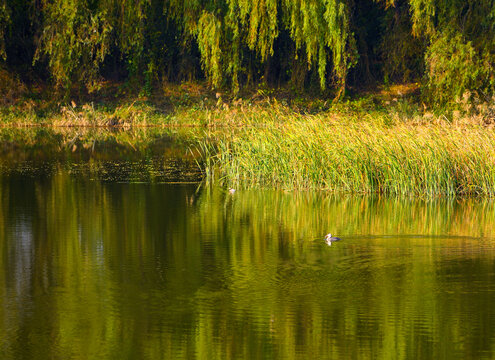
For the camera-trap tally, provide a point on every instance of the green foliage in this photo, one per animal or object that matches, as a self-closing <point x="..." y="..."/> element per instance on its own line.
<point x="454" y="67"/>
<point x="75" y="38"/>
<point x="461" y="52"/>
<point x="256" y="24"/>
<point x="130" y="27"/>
<point x="209" y="36"/>
<point x="233" y="43"/>
<point x="228" y="33"/>
<point x="318" y="33"/>
<point x="402" y="53"/>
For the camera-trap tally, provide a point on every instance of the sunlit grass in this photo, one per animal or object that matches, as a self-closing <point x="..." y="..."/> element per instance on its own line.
<point x="321" y="152"/>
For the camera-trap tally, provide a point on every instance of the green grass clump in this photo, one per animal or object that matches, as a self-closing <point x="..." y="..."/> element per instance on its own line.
<point x="317" y="152"/>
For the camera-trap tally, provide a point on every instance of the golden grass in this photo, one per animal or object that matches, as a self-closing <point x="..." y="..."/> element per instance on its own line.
<point x="332" y="153"/>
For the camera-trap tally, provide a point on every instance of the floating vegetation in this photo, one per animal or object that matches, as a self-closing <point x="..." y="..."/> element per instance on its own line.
<point x="145" y="155"/>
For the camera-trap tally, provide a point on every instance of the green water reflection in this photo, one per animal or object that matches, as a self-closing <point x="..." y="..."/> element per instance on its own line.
<point x="100" y="269"/>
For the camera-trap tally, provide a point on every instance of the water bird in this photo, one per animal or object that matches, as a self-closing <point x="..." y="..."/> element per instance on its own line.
<point x="329" y="239"/>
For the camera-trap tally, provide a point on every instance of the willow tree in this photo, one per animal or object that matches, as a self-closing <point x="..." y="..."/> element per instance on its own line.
<point x="224" y="30"/>
<point x="253" y="24"/>
<point x="322" y="28"/>
<point x="75" y="38"/>
<point x="227" y="32"/>
<point x="401" y="53"/>
<point x="129" y="27"/>
<point x="460" y="57"/>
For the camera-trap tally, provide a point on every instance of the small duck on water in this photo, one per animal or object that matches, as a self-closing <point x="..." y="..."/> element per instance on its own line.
<point x="329" y="239"/>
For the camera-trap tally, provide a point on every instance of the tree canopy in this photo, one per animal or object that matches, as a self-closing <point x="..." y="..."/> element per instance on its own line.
<point x="73" y="44"/>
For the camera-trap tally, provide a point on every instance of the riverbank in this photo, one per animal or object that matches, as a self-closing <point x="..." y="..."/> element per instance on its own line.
<point x="360" y="147"/>
<point x="194" y="104"/>
<point x="380" y="143"/>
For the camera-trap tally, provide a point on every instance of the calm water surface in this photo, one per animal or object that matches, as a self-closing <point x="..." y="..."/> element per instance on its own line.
<point x="113" y="250"/>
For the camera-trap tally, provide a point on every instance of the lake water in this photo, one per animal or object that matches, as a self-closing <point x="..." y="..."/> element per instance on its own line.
<point x="111" y="248"/>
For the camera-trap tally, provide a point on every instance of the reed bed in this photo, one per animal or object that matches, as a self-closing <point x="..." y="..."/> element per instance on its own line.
<point x="317" y="152"/>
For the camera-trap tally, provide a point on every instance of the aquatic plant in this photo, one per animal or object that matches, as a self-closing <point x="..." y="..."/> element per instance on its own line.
<point x="319" y="152"/>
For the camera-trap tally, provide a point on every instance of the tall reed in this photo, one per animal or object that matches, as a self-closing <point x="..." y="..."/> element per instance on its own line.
<point x="358" y="156"/>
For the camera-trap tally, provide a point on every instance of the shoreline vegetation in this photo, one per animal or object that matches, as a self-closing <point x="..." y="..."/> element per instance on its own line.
<point x="367" y="157"/>
<point x="194" y="104"/>
<point x="382" y="142"/>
